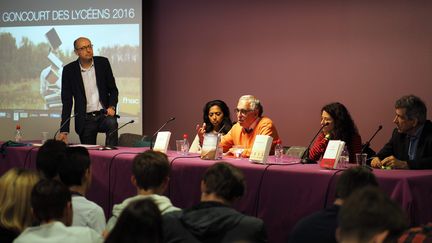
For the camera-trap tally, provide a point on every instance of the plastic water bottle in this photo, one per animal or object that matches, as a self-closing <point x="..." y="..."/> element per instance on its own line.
<point x="278" y="151"/>
<point x="185" y="147"/>
<point x="344" y="158"/>
<point x="18" y="134"/>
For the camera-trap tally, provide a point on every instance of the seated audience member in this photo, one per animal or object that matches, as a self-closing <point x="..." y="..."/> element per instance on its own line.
<point x="410" y="146"/>
<point x="48" y="158"/>
<point x="213" y="220"/>
<point x="150" y="176"/>
<point x="140" y="222"/>
<point x="340" y="127"/>
<point x="321" y="226"/>
<point x="51" y="205"/>
<point x="369" y="215"/>
<point x="250" y="122"/>
<point x="75" y="173"/>
<point x="15" y="210"/>
<point x="216" y="116"/>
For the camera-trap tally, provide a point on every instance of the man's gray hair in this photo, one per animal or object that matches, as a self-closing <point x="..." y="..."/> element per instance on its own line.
<point x="254" y="103"/>
<point x="414" y="106"/>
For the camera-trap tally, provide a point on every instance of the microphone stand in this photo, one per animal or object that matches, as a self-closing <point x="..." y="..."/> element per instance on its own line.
<point x="366" y="147"/>
<point x="151" y="140"/>
<point x="109" y="147"/>
<point x="63" y="124"/>
<point x="305" y="156"/>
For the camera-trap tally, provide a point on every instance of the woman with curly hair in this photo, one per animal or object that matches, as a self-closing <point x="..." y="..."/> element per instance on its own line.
<point x="340" y="126"/>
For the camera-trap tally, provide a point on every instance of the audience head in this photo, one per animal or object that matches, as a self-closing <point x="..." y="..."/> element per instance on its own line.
<point x="51" y="200"/>
<point x="49" y="156"/>
<point x="369" y="215"/>
<point x="340" y="124"/>
<point x="410" y="113"/>
<point x="150" y="171"/>
<point x="216" y="115"/>
<point x="75" y="169"/>
<point x="139" y="222"/>
<point x="353" y="179"/>
<point x="15" y="190"/>
<point x="225" y="181"/>
<point x="248" y="109"/>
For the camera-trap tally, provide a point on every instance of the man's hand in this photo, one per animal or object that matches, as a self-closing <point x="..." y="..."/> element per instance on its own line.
<point x="376" y="163"/>
<point x="63" y="136"/>
<point x="111" y="111"/>
<point x="394" y="163"/>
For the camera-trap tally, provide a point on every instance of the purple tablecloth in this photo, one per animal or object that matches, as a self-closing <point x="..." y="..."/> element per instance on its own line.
<point x="278" y="194"/>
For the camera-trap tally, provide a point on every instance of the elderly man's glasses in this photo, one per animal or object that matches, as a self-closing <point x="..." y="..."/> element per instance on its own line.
<point x="242" y="111"/>
<point x="85" y="48"/>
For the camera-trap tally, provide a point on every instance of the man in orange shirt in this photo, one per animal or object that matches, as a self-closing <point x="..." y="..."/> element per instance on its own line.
<point x="250" y="123"/>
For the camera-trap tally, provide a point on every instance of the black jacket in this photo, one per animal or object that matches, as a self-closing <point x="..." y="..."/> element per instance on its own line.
<point x="398" y="147"/>
<point x="73" y="90"/>
<point x="212" y="222"/>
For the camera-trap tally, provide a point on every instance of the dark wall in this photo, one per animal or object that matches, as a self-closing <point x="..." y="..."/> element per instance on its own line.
<point x="295" y="56"/>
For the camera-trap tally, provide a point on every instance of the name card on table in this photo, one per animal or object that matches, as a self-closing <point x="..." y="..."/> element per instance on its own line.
<point x="162" y="141"/>
<point x="210" y="146"/>
<point x="331" y="154"/>
<point x="261" y="149"/>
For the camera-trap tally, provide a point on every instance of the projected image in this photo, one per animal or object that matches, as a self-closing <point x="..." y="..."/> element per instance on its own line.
<point x="33" y="58"/>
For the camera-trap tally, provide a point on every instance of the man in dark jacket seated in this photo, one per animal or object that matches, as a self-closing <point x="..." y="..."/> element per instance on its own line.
<point x="410" y="146"/>
<point x="213" y="220"/>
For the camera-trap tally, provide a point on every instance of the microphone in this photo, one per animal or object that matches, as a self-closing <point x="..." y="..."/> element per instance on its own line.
<point x="64" y="123"/>
<point x="305" y="156"/>
<point x="108" y="147"/>
<point x="151" y="140"/>
<point x="365" y="146"/>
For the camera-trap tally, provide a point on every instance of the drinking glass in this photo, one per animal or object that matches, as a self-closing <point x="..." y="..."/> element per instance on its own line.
<point x="238" y="150"/>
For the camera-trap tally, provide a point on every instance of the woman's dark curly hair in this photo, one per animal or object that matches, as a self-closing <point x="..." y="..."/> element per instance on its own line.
<point x="344" y="127"/>
<point x="226" y="121"/>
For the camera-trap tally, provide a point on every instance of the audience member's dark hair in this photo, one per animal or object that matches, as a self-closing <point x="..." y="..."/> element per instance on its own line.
<point x="368" y="212"/>
<point x="415" y="107"/>
<point x="74" y="166"/>
<point x="49" y="199"/>
<point x="344" y="128"/>
<point x="353" y="179"/>
<point x="49" y="156"/>
<point x="150" y="169"/>
<point x="225" y="180"/>
<point x="139" y="222"/>
<point x="226" y="121"/>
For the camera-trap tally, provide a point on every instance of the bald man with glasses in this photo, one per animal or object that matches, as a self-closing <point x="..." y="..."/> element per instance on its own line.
<point x="89" y="84"/>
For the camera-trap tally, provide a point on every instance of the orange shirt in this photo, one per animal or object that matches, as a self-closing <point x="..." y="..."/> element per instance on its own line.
<point x="238" y="136"/>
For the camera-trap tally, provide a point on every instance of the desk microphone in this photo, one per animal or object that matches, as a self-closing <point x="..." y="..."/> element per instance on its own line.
<point x="305" y="156"/>
<point x="108" y="147"/>
<point x="365" y="146"/>
<point x="64" y="123"/>
<point x="151" y="140"/>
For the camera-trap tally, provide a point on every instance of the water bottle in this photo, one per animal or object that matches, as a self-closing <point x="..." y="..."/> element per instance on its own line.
<point x="185" y="147"/>
<point x="278" y="151"/>
<point x="344" y="158"/>
<point x="18" y="134"/>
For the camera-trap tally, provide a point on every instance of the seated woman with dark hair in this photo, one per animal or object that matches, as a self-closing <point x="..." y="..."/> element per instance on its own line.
<point x="340" y="126"/>
<point x="216" y="116"/>
<point x="15" y="209"/>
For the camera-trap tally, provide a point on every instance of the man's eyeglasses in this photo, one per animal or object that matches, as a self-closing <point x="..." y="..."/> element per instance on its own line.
<point x="242" y="111"/>
<point x="85" y="48"/>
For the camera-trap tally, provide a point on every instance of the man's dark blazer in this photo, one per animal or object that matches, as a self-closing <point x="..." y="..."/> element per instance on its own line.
<point x="398" y="147"/>
<point x="73" y="90"/>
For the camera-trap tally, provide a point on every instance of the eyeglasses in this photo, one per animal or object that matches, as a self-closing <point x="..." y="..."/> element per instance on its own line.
<point x="85" y="48"/>
<point x="242" y="111"/>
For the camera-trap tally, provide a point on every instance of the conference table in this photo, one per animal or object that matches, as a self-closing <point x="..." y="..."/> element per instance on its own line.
<point x="279" y="194"/>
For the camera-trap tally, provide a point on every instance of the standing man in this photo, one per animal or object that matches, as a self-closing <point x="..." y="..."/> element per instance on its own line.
<point x="250" y="122"/>
<point x="410" y="146"/>
<point x="90" y="83"/>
